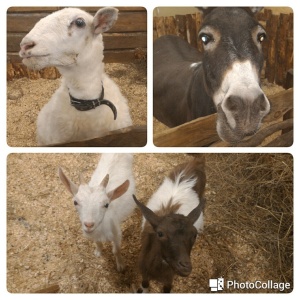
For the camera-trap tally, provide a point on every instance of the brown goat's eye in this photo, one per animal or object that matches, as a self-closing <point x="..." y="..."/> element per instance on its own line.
<point x="160" y="234"/>
<point x="80" y="23"/>
<point x="75" y="202"/>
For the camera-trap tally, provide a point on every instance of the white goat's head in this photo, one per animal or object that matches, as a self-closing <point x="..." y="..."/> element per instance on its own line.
<point x="92" y="202"/>
<point x="65" y="36"/>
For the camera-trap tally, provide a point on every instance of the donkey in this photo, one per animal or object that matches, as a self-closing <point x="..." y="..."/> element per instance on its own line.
<point x="173" y="216"/>
<point x="225" y="78"/>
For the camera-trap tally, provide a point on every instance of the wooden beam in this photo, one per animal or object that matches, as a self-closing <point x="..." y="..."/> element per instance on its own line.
<point x="202" y="131"/>
<point x="133" y="136"/>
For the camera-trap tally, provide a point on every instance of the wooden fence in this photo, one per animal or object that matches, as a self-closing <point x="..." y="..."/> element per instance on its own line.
<point x="278" y="48"/>
<point x="125" y="42"/>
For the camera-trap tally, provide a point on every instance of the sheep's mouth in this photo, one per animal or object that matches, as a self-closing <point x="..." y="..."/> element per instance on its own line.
<point x="28" y="56"/>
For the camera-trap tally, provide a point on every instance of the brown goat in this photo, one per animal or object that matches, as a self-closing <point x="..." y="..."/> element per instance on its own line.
<point x="171" y="226"/>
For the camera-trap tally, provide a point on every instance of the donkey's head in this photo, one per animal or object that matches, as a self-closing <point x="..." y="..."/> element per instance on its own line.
<point x="176" y="236"/>
<point x="233" y="59"/>
<point x="92" y="203"/>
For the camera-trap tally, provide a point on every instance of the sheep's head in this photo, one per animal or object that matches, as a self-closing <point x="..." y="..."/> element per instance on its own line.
<point x="62" y="37"/>
<point x="92" y="203"/>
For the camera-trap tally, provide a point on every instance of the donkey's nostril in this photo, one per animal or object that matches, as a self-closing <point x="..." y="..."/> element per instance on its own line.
<point x="261" y="103"/>
<point x="233" y="103"/>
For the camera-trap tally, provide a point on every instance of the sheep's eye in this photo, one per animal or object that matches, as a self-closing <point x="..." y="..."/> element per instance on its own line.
<point x="261" y="37"/>
<point x="80" y="22"/>
<point x="205" y="38"/>
<point x="75" y="202"/>
<point x="160" y="234"/>
<point x="106" y="205"/>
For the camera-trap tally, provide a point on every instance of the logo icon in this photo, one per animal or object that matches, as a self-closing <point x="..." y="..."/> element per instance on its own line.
<point x="216" y="284"/>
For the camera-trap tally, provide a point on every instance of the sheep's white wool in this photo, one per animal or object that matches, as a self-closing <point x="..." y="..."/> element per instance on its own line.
<point x="181" y="193"/>
<point x="77" y="52"/>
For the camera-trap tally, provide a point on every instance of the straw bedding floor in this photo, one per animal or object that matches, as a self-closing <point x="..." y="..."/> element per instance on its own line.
<point x="248" y="231"/>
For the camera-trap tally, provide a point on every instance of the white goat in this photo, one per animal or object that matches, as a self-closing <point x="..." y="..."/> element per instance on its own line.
<point x="106" y="201"/>
<point x="71" y="40"/>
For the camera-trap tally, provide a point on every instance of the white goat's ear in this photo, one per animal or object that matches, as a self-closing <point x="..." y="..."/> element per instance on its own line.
<point x="119" y="191"/>
<point x="71" y="187"/>
<point x="104" y="19"/>
<point x="104" y="181"/>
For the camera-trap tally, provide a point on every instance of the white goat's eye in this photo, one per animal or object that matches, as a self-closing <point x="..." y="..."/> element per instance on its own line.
<point x="261" y="37"/>
<point x="106" y="205"/>
<point x="80" y="22"/>
<point x="75" y="202"/>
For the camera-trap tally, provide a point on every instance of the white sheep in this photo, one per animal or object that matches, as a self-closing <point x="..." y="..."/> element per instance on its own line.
<point x="105" y="201"/>
<point x="71" y="40"/>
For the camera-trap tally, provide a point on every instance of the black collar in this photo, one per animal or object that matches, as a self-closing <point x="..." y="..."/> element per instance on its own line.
<point x="84" y="105"/>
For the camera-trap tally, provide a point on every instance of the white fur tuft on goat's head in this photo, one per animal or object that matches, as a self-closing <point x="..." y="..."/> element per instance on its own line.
<point x="65" y="37"/>
<point x="92" y="203"/>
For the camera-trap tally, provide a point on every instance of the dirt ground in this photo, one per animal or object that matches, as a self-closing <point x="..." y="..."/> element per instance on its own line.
<point x="248" y="232"/>
<point x="25" y="99"/>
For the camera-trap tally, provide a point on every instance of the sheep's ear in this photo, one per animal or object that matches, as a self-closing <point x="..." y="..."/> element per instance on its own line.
<point x="195" y="213"/>
<point x="119" y="191"/>
<point x="149" y="215"/>
<point x="104" y="19"/>
<point x="71" y="187"/>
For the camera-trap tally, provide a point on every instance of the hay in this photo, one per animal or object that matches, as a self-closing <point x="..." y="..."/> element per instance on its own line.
<point x="248" y="224"/>
<point x="256" y="211"/>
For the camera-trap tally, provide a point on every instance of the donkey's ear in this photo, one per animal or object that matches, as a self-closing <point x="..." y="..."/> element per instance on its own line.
<point x="255" y="10"/>
<point x="205" y="10"/>
<point x="71" y="187"/>
<point x="149" y="215"/>
<point x="195" y="213"/>
<point x="104" y="19"/>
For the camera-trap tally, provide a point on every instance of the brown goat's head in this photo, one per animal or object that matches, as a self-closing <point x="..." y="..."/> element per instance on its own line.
<point x="176" y="236"/>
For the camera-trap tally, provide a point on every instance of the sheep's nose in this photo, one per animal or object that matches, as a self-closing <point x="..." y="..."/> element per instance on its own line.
<point x="27" y="46"/>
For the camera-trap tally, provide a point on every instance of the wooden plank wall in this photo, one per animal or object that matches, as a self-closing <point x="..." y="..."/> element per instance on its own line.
<point x="125" y="42"/>
<point x="278" y="48"/>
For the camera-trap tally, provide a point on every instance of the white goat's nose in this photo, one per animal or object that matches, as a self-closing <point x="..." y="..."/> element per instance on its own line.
<point x="89" y="224"/>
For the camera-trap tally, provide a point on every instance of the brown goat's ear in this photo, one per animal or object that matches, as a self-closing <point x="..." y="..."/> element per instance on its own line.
<point x="119" y="191"/>
<point x="149" y="215"/>
<point x="104" y="19"/>
<point x="71" y="187"/>
<point x="195" y="213"/>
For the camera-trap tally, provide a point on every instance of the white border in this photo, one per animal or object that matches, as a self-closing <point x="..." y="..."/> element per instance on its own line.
<point x="5" y="150"/>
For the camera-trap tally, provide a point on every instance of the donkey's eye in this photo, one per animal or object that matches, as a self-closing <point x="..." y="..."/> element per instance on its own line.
<point x="205" y="38"/>
<point x="106" y="205"/>
<point x="160" y="234"/>
<point x="80" y="23"/>
<point x="261" y="37"/>
<point x="75" y="202"/>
